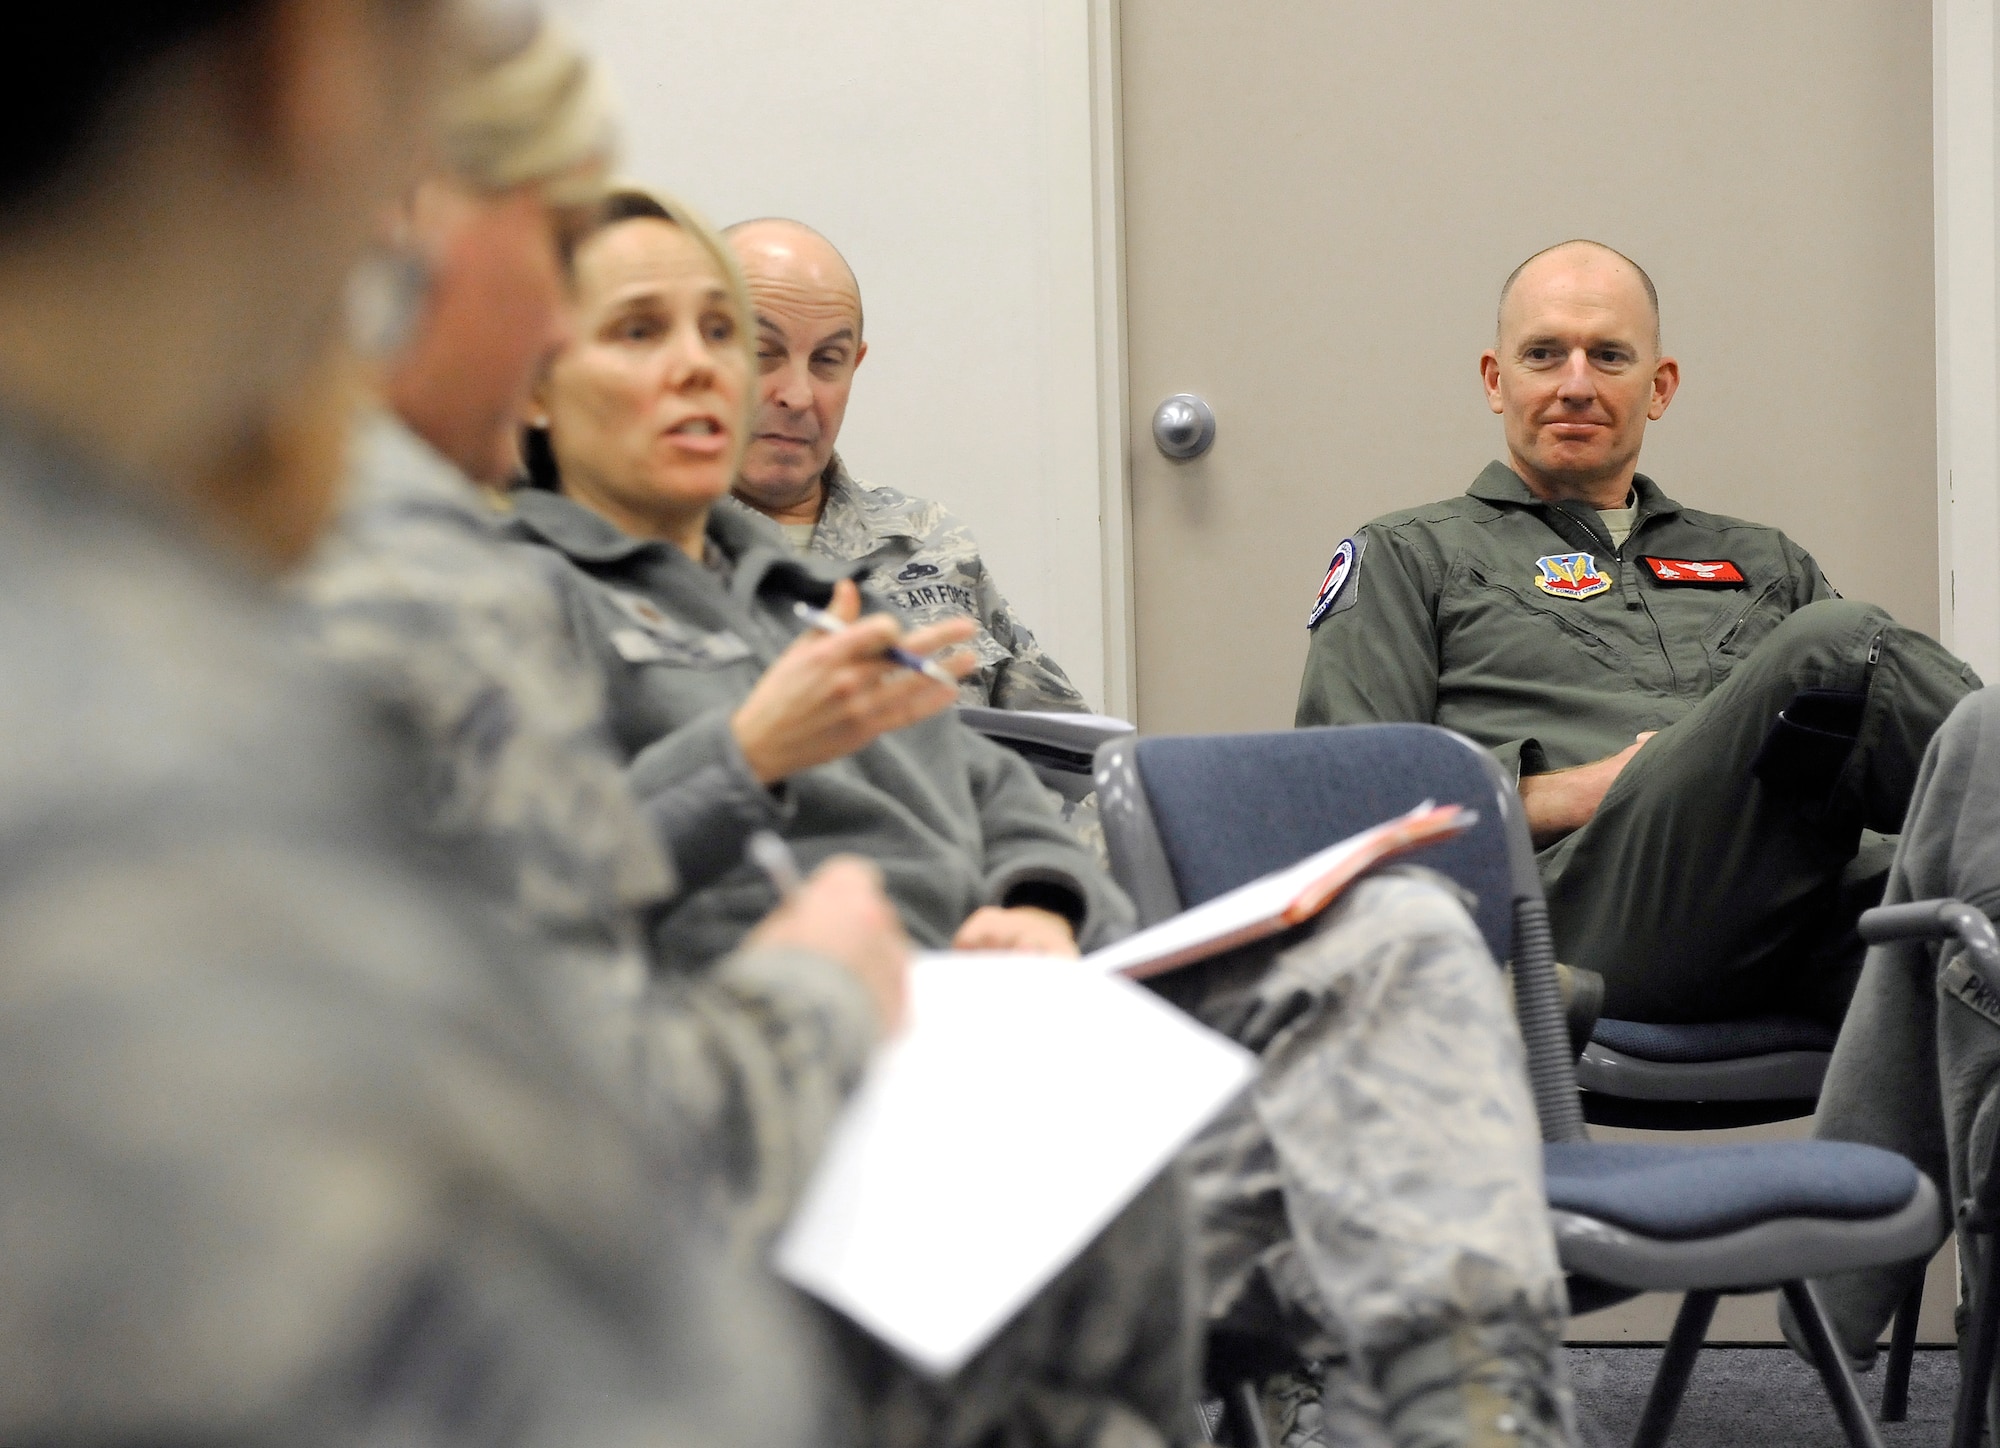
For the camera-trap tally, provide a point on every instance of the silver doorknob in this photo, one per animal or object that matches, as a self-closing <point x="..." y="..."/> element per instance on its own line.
<point x="1184" y="426"/>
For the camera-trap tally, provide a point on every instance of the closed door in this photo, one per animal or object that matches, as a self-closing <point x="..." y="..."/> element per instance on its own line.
<point x="1322" y="199"/>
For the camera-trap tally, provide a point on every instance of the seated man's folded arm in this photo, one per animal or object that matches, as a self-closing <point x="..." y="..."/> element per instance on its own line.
<point x="1032" y="858"/>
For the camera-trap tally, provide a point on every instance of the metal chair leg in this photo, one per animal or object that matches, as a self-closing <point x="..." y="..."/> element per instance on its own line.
<point x="1975" y="1377"/>
<point x="1835" y="1371"/>
<point x="1902" y="1348"/>
<point x="1243" y="1415"/>
<point x="1676" y="1367"/>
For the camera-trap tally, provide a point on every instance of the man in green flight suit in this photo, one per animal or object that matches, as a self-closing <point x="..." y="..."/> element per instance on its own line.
<point x="1701" y="726"/>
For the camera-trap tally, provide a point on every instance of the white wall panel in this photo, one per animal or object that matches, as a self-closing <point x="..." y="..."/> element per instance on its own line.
<point x="948" y="150"/>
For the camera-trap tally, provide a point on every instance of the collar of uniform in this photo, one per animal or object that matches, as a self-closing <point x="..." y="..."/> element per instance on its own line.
<point x="393" y="464"/>
<point x="572" y="529"/>
<point x="760" y="555"/>
<point x="844" y="511"/>
<point x="1498" y="483"/>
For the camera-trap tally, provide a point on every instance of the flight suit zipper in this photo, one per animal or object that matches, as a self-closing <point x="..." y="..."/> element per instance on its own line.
<point x="1565" y="524"/>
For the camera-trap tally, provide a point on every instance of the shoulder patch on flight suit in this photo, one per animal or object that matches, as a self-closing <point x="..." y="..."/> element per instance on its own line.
<point x="1334" y="594"/>
<point x="1570" y="575"/>
<point x="1695" y="572"/>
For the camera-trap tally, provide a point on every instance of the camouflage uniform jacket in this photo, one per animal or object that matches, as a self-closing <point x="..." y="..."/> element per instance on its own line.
<point x="924" y="561"/>
<point x="462" y="636"/>
<point x="296" y="1151"/>
<point x="954" y="821"/>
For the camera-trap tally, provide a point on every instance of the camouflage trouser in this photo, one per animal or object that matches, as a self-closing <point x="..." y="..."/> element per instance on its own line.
<point x="1381" y="1184"/>
<point x="1104" y="1357"/>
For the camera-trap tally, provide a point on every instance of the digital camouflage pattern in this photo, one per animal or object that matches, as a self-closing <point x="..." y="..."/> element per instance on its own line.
<point x="297" y="1154"/>
<point x="756" y="1051"/>
<point x="462" y="635"/>
<point x="1379" y="1189"/>
<point x="1103" y="1357"/>
<point x="926" y="562"/>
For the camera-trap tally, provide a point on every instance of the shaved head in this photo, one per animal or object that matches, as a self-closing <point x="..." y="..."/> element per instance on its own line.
<point x="784" y="253"/>
<point x="809" y="343"/>
<point x="1582" y="254"/>
<point x="1576" y="372"/>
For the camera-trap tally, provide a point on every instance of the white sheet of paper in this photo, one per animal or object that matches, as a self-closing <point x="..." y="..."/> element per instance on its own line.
<point x="1028" y="1101"/>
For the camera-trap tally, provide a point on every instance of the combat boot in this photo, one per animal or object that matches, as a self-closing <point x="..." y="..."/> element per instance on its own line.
<point x="1491" y="1385"/>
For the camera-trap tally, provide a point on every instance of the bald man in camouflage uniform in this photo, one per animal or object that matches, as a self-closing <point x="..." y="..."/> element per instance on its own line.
<point x="923" y="559"/>
<point x="919" y="556"/>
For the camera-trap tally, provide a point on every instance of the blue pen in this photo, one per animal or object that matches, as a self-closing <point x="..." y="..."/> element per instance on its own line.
<point x="825" y="622"/>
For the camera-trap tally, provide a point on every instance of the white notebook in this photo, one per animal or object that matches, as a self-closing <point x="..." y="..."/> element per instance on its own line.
<point x="1027" y="1101"/>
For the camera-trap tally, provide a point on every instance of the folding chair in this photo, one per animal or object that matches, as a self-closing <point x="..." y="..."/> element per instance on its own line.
<point x="1979" y="1214"/>
<point x="1187" y="818"/>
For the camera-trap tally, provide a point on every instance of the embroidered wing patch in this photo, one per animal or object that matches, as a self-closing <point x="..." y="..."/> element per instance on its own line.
<point x="1339" y="573"/>
<point x="1570" y="575"/>
<point x="1696" y="572"/>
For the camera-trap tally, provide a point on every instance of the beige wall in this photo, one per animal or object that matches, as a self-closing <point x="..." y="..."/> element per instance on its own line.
<point x="1321" y="201"/>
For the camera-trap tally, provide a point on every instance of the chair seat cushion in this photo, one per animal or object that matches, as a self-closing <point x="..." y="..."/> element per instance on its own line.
<point x="1713" y="1040"/>
<point x="1681" y="1192"/>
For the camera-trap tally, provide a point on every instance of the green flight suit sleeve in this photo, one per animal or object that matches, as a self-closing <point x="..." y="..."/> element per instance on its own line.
<point x="1373" y="655"/>
<point x="1809" y="577"/>
<point x="1373" y="658"/>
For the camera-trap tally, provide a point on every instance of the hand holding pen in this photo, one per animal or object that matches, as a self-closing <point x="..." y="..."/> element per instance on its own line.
<point x="833" y="693"/>
<point x="841" y="914"/>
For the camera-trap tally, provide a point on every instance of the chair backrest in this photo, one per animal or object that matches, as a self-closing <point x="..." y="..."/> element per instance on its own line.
<point x="1231" y="807"/>
<point x="1187" y="817"/>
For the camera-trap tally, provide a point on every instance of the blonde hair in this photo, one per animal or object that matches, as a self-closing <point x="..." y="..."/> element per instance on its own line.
<point x="533" y="109"/>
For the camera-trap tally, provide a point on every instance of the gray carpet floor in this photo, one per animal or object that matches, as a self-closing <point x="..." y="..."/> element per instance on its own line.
<point x="1762" y="1396"/>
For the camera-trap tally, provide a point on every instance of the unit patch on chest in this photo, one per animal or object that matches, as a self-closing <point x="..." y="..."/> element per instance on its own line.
<point x="1695" y="572"/>
<point x="1570" y="575"/>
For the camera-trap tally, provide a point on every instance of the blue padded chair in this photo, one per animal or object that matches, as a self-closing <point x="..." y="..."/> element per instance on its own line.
<point x="1188" y="818"/>
<point x="1692" y="1077"/>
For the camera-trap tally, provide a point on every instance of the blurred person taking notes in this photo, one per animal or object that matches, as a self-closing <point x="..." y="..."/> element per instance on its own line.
<point x="297" y="1150"/>
<point x="461" y="635"/>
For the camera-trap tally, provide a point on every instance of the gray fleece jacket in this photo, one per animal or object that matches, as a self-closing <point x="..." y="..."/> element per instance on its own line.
<point x="954" y="822"/>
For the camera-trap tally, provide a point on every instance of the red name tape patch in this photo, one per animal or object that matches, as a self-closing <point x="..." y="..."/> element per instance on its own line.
<point x="1709" y="572"/>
